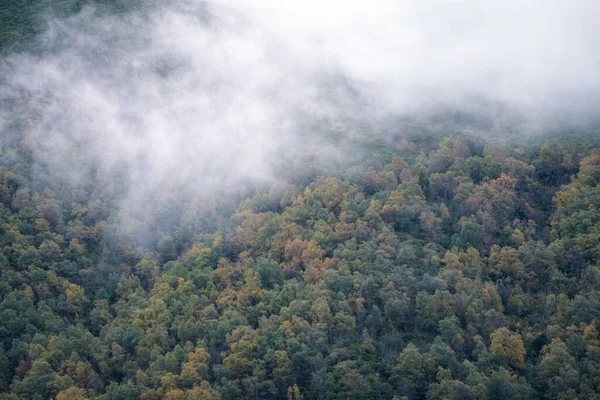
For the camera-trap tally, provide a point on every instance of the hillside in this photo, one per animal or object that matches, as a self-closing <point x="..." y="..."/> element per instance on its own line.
<point x="295" y="199"/>
<point x="468" y="273"/>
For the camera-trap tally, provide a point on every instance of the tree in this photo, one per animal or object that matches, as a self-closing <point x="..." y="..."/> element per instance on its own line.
<point x="409" y="372"/>
<point x="72" y="393"/>
<point x="202" y="392"/>
<point x="508" y="346"/>
<point x="504" y="262"/>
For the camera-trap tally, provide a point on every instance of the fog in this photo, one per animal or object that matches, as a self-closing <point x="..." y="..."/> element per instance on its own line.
<point x="205" y="95"/>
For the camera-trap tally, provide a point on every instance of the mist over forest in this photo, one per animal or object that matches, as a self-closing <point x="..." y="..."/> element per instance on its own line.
<point x="294" y="200"/>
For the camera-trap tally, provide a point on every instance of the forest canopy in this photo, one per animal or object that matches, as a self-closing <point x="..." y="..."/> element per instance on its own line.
<point x="196" y="203"/>
<point x="469" y="272"/>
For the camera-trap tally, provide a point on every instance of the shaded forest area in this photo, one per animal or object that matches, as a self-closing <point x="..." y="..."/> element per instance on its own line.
<point x="22" y="21"/>
<point x="469" y="272"/>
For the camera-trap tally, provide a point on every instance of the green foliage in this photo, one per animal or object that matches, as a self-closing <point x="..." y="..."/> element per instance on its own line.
<point x="21" y="21"/>
<point x="468" y="272"/>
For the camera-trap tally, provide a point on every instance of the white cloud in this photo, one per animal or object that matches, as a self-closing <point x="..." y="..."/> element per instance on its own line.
<point x="203" y="94"/>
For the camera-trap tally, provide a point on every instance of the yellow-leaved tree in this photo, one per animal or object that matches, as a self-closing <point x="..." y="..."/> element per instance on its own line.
<point x="508" y="346"/>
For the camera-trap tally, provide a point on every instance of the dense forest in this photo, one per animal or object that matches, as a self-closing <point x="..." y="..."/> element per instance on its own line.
<point x="422" y="265"/>
<point x="22" y="21"/>
<point x="435" y="268"/>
